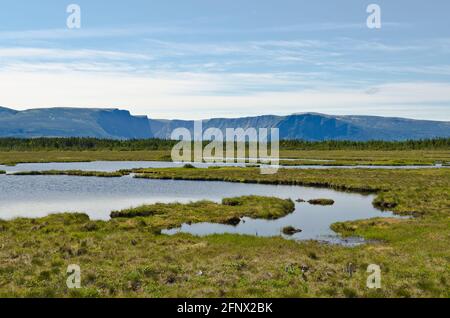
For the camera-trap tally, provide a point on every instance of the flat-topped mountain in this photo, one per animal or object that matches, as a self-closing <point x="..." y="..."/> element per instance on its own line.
<point x="120" y="124"/>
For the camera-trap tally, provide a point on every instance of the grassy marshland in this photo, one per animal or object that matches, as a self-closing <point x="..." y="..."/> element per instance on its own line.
<point x="419" y="152"/>
<point x="126" y="257"/>
<point x="15" y="157"/>
<point x="414" y="191"/>
<point x="304" y="157"/>
<point x="412" y="152"/>
<point x="366" y="157"/>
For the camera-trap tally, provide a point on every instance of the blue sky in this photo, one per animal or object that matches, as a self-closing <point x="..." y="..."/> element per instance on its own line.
<point x="206" y="58"/>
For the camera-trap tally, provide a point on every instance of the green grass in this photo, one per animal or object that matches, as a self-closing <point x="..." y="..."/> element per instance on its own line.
<point x="290" y="230"/>
<point x="79" y="173"/>
<point x="304" y="157"/>
<point x="174" y="215"/>
<point x="127" y="257"/>
<point x="367" y="157"/>
<point x="15" y="157"/>
<point x="413" y="191"/>
<point x="86" y="143"/>
<point x="2" y="172"/>
<point x="321" y="202"/>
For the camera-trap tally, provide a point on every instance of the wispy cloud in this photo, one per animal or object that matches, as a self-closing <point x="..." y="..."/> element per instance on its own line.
<point x="201" y="95"/>
<point x="59" y="54"/>
<point x="180" y="29"/>
<point x="334" y="59"/>
<point x="161" y="72"/>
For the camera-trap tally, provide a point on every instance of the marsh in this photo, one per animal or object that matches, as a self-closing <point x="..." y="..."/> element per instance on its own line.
<point x="38" y="196"/>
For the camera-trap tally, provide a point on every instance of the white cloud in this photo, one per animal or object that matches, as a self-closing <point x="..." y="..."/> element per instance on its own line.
<point x="197" y="95"/>
<point x="54" y="34"/>
<point x="59" y="54"/>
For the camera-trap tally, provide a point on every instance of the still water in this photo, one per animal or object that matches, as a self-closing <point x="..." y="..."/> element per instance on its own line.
<point x="110" y="166"/>
<point x="104" y="166"/>
<point x="37" y="196"/>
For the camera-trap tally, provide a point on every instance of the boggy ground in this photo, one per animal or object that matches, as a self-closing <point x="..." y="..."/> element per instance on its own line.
<point x="128" y="257"/>
<point x="304" y="157"/>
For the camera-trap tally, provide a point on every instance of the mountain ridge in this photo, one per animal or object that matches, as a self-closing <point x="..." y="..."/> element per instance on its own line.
<point x="114" y="123"/>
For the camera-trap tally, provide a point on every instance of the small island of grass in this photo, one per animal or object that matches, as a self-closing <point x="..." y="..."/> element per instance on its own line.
<point x="290" y="230"/>
<point x="230" y="211"/>
<point x="79" y="173"/>
<point x="321" y="202"/>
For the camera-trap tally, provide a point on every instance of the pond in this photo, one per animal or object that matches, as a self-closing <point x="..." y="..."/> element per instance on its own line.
<point x="37" y="196"/>
<point x="110" y="166"/>
<point x="104" y="166"/>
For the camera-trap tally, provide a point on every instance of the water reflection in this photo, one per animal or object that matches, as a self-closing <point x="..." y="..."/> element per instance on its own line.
<point x="37" y="196"/>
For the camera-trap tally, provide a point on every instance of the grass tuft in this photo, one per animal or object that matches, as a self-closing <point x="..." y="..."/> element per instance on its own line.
<point x="321" y="202"/>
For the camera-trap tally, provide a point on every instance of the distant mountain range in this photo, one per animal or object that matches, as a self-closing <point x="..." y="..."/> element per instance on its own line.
<point x="120" y="124"/>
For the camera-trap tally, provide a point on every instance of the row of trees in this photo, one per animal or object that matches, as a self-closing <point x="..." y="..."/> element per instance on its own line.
<point x="75" y="143"/>
<point x="80" y="144"/>
<point x="425" y="144"/>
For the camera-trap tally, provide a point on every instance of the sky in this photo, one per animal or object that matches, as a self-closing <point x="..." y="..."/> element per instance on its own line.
<point x="194" y="59"/>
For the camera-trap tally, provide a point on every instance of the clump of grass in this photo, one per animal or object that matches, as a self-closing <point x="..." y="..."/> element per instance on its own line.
<point x="232" y="201"/>
<point x="385" y="202"/>
<point x="2" y="172"/>
<point x="90" y="226"/>
<point x="143" y="210"/>
<point x="321" y="202"/>
<point x="346" y="229"/>
<point x="189" y="166"/>
<point x="233" y="221"/>
<point x="290" y="230"/>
